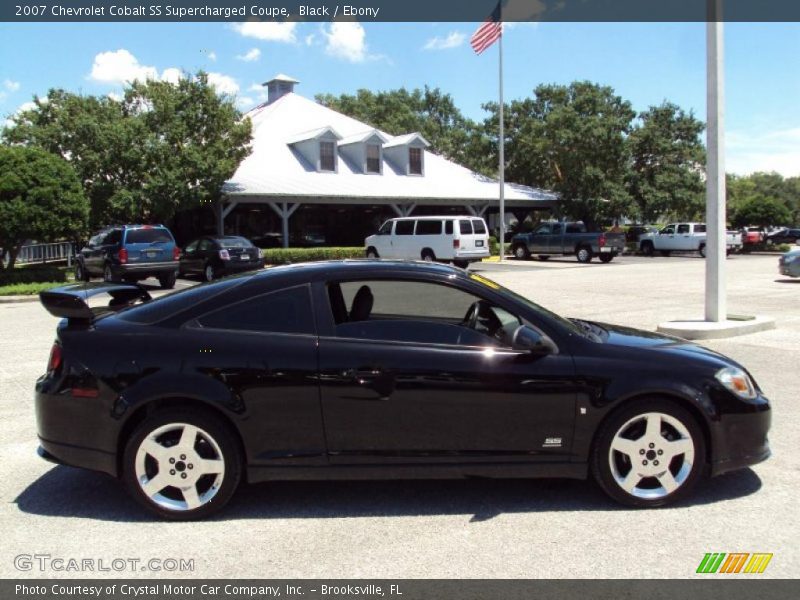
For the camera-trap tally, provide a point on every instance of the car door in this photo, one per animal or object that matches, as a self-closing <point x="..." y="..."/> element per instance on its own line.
<point x="205" y="253"/>
<point x="189" y="257"/>
<point x="403" y="380"/>
<point x="403" y="244"/>
<point x="91" y="252"/>
<point x="683" y="237"/>
<point x="555" y="241"/>
<point x="665" y="240"/>
<point x="263" y="348"/>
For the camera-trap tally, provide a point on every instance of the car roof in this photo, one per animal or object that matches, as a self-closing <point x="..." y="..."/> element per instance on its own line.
<point x="361" y="267"/>
<point x="423" y="217"/>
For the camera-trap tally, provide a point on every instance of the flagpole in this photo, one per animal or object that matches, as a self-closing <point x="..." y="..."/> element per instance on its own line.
<point x="502" y="166"/>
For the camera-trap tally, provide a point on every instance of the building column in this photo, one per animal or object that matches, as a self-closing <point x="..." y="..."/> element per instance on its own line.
<point x="284" y="210"/>
<point x="223" y="212"/>
<point x="403" y="210"/>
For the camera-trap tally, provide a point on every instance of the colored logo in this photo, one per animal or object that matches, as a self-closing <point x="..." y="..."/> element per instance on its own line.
<point x="734" y="562"/>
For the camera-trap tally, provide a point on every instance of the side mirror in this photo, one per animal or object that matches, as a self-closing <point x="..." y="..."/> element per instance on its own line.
<point x="527" y="339"/>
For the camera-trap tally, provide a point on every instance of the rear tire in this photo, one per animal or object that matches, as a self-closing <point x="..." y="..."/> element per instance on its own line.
<point x="607" y="258"/>
<point x="428" y="255"/>
<point x="702" y="250"/>
<point x="209" y="272"/>
<point x="649" y="453"/>
<point x="108" y="275"/>
<point x="584" y="254"/>
<point x="521" y="252"/>
<point x="182" y="464"/>
<point x="167" y="281"/>
<point x="81" y="274"/>
<point x="647" y="248"/>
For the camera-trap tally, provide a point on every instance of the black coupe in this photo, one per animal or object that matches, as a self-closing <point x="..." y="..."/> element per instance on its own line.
<point x="379" y="369"/>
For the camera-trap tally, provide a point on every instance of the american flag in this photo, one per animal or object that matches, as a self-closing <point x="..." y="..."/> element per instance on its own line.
<point x="488" y="33"/>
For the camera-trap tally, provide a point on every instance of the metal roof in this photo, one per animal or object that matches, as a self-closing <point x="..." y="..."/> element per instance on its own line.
<point x="275" y="171"/>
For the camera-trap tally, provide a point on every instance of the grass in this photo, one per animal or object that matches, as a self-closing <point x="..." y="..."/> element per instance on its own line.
<point x="27" y="289"/>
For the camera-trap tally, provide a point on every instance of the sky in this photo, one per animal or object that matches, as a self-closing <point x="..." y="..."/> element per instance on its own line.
<point x="646" y="63"/>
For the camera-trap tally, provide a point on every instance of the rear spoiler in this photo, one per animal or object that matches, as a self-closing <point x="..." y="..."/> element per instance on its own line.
<point x="71" y="301"/>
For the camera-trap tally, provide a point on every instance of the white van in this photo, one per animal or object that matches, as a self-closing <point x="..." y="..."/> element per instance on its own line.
<point x="458" y="239"/>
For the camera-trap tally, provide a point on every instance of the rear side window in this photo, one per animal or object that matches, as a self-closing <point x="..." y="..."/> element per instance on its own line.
<point x="701" y="228"/>
<point x="479" y="226"/>
<point x="448" y="227"/>
<point x="429" y="227"/>
<point x="404" y="228"/>
<point x="684" y="228"/>
<point x="575" y="228"/>
<point x="285" y="311"/>
<point x="148" y="236"/>
<point x="114" y="237"/>
<point x="465" y="226"/>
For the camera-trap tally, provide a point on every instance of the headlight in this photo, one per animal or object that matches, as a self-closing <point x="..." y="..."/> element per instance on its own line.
<point x="737" y="381"/>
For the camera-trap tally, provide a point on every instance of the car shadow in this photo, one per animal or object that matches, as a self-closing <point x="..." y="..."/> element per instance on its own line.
<point x="76" y="493"/>
<point x="795" y="280"/>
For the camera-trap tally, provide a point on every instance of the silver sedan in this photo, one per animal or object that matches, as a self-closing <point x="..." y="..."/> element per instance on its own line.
<point x="789" y="264"/>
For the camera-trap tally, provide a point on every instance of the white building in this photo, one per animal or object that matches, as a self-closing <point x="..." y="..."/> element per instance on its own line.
<point x="318" y="176"/>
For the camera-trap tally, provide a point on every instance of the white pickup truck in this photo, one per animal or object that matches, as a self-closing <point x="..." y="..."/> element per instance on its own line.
<point x="684" y="237"/>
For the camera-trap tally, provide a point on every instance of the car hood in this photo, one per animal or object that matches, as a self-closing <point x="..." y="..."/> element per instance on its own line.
<point x="665" y="345"/>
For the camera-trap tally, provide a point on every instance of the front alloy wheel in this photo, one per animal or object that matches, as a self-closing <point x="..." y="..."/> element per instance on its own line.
<point x="649" y="455"/>
<point x="181" y="465"/>
<point x="209" y="273"/>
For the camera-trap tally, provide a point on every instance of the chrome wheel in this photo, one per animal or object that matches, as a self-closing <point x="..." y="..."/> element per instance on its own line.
<point x="209" y="273"/>
<point x="651" y="455"/>
<point x="179" y="467"/>
<point x="520" y="253"/>
<point x="584" y="255"/>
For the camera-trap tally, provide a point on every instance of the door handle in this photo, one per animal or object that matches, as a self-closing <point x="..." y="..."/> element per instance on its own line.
<point x="373" y="378"/>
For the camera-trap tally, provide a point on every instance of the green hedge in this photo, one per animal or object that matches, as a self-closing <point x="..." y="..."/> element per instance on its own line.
<point x="32" y="274"/>
<point x="282" y="256"/>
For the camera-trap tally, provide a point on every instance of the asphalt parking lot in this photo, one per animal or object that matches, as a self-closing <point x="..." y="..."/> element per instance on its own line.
<point x="431" y="529"/>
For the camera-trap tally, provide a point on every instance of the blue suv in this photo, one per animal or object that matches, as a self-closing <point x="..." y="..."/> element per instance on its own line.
<point x="130" y="253"/>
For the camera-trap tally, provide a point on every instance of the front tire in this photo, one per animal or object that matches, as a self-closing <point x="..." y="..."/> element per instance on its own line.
<point x="647" y="248"/>
<point x="108" y="275"/>
<point x="209" y="272"/>
<point x="182" y="464"/>
<point x="650" y="453"/>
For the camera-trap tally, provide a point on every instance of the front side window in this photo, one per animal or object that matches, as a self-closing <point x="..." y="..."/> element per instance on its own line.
<point x="404" y="228"/>
<point x="285" y="311"/>
<point x="373" y="158"/>
<point x="668" y="230"/>
<point x="418" y="312"/>
<point x="415" y="161"/>
<point x="327" y="156"/>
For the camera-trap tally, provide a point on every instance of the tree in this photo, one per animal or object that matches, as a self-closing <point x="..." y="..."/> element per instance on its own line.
<point x="163" y="148"/>
<point x="429" y="111"/>
<point x="765" y="187"/>
<point x="41" y="198"/>
<point x="570" y="139"/>
<point x="667" y="157"/>
<point x="761" y="212"/>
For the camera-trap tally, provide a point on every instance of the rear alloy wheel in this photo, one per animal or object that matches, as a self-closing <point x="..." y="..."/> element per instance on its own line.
<point x="428" y="256"/>
<point x="521" y="252"/>
<point x="182" y="464"/>
<point x="209" y="273"/>
<point x="584" y="254"/>
<point x="649" y="454"/>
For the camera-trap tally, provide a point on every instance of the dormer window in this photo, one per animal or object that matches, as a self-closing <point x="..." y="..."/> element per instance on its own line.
<point x="373" y="158"/>
<point x="327" y="156"/>
<point x="415" y="161"/>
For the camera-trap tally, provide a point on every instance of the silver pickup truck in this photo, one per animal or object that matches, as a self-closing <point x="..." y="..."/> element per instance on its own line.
<point x="548" y="239"/>
<point x="684" y="237"/>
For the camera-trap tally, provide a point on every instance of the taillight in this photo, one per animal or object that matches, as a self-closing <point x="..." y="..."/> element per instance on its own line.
<point x="176" y="253"/>
<point x="55" y="358"/>
<point x="123" y="256"/>
<point x="84" y="392"/>
<point x="456" y="243"/>
<point x="602" y="241"/>
<point x="224" y="255"/>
